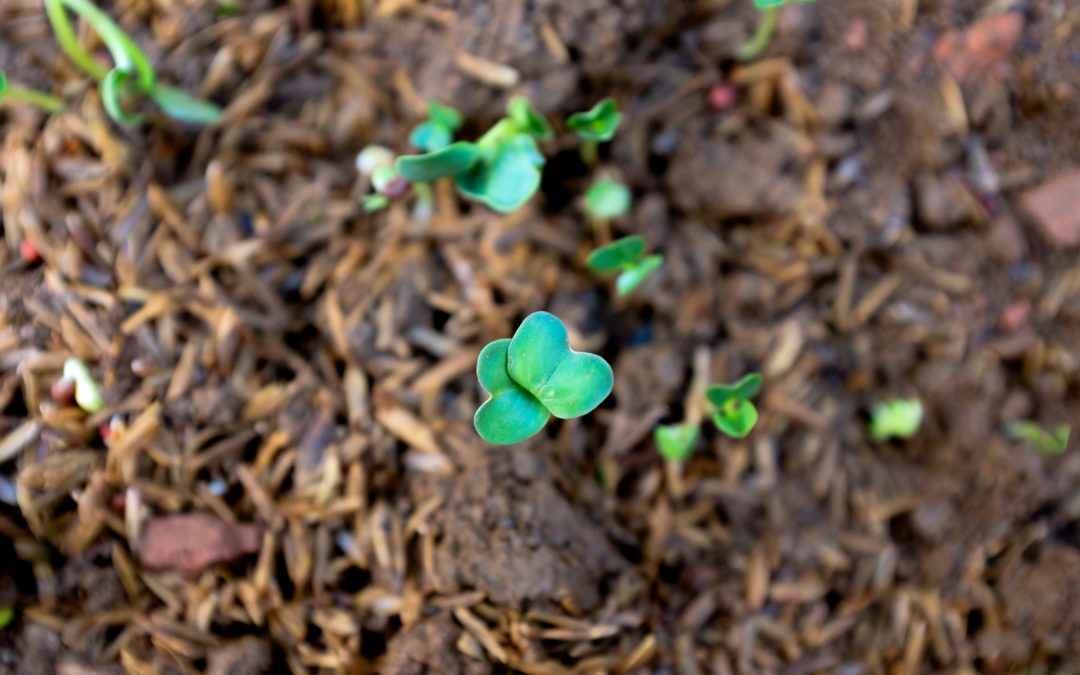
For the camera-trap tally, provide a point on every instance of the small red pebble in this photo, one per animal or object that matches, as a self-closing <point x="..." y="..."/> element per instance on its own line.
<point x="63" y="392"/>
<point x="1015" y="315"/>
<point x="855" y="37"/>
<point x="118" y="503"/>
<point x="105" y="431"/>
<point x="29" y="253"/>
<point x="722" y="96"/>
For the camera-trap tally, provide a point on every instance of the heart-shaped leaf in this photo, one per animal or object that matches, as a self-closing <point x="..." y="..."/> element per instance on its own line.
<point x="599" y="123"/>
<point x="676" y="441"/>
<point x="737" y="418"/>
<point x="743" y="390"/>
<point x="450" y="161"/>
<point x="607" y="199"/>
<point x="508" y="179"/>
<point x="616" y="255"/>
<point x="510" y="414"/>
<point x="527" y="119"/>
<point x="568" y="383"/>
<point x="636" y="273"/>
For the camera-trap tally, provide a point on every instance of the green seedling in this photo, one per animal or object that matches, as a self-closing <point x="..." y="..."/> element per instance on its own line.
<point x="7" y="615"/>
<point x="535" y="375"/>
<point x="437" y="131"/>
<point x="1046" y="442"/>
<point x="676" y="441"/>
<point x="627" y="257"/>
<point x="607" y="199"/>
<point x="770" y="17"/>
<point x="87" y="393"/>
<point x="732" y="411"/>
<point x="595" y="126"/>
<point x="46" y="102"/>
<point x="898" y="418"/>
<point x="131" y="74"/>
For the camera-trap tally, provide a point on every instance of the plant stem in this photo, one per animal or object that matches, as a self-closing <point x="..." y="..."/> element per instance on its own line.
<point x="753" y="48"/>
<point x="589" y="151"/>
<point x="46" y="102"/>
<point x="69" y="41"/>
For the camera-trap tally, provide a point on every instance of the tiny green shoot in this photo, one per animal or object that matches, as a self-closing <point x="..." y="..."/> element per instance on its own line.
<point x="534" y="375"/>
<point x="607" y="199"/>
<point x="46" y="102"/>
<point x="87" y="393"/>
<point x="7" y="615"/>
<point x="676" y="441"/>
<point x="132" y="73"/>
<point x="594" y="126"/>
<point x="733" y="412"/>
<point x="898" y="418"/>
<point x="437" y="131"/>
<point x="1047" y="442"/>
<point x="770" y="18"/>
<point x="627" y="257"/>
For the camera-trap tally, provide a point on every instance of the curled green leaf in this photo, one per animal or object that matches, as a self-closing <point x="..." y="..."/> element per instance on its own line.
<point x="599" y="123"/>
<point x="452" y="160"/>
<point x="616" y="255"/>
<point x="112" y="98"/>
<point x="745" y="389"/>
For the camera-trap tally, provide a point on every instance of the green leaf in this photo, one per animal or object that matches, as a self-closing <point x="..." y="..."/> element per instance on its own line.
<point x="508" y="179"/>
<point x="182" y="107"/>
<point x="676" y="441"/>
<point x="3" y="83"/>
<point x="737" y="418"/>
<point x="1040" y="439"/>
<point x="527" y="119"/>
<point x="511" y="414"/>
<point x="450" y="161"/>
<point x="898" y="418"/>
<point x="636" y="274"/>
<point x="607" y="199"/>
<point x="568" y="383"/>
<point x="87" y="393"/>
<point x="598" y="123"/>
<point x="373" y="203"/>
<point x="616" y="255"/>
<point x="430" y="136"/>
<point x="7" y="615"/>
<point x="112" y="98"/>
<point x="127" y="56"/>
<point x="743" y="390"/>
<point x="444" y="116"/>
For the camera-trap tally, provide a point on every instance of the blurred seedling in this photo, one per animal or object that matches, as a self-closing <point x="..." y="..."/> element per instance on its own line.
<point x="437" y="131"/>
<point x="7" y="615"/>
<point x="627" y="257"/>
<point x="766" y="28"/>
<point x="733" y="412"/>
<point x="1047" y="442"/>
<point x="898" y="418"/>
<point x="534" y="375"/>
<point x="377" y="164"/>
<point x="12" y="94"/>
<point x="595" y="126"/>
<point x="676" y="441"/>
<point x="87" y="393"/>
<point x="132" y="73"/>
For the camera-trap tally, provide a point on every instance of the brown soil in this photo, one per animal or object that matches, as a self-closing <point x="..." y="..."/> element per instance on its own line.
<point x="274" y="357"/>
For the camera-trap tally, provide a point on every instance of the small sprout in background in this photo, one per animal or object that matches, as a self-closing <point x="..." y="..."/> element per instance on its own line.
<point x="377" y="163"/>
<point x="1046" y="442"/>
<point x="607" y="199"/>
<point x="87" y="393"/>
<point x="627" y="257"/>
<point x="132" y="72"/>
<point x="770" y="16"/>
<point x="535" y="375"/>
<point x="676" y="441"/>
<point x="437" y="131"/>
<point x="46" y="102"/>
<point x="898" y="418"/>
<point x="7" y="615"/>
<point x="595" y="126"/>
<point x="733" y="413"/>
<point x="372" y="157"/>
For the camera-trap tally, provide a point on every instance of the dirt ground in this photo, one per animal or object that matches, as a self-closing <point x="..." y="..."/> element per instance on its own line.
<point x="889" y="205"/>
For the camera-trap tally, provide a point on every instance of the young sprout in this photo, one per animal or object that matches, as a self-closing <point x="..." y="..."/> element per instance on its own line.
<point x="437" y="131"/>
<point x="595" y="126"/>
<point x="535" y="375"/>
<point x="770" y="16"/>
<point x="87" y="393"/>
<point x="132" y="72"/>
<point x="46" y="102"/>
<point x="733" y="413"/>
<point x="607" y="199"/>
<point x="1046" y="442"/>
<point x="898" y="418"/>
<point x="627" y="257"/>
<point x="676" y="441"/>
<point x="377" y="163"/>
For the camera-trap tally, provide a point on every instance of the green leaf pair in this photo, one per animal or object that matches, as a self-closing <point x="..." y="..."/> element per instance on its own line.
<point x="898" y="418"/>
<point x="626" y="256"/>
<point x="132" y="72"/>
<point x="597" y="124"/>
<point x="437" y="131"/>
<point x="501" y="169"/>
<point x="1046" y="442"/>
<point x="733" y="413"/>
<point x="535" y="375"/>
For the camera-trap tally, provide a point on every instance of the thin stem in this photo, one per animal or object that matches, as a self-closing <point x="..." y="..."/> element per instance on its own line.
<point x="757" y="44"/>
<point x="126" y="53"/>
<point x="590" y="149"/>
<point x="69" y="41"/>
<point x="46" y="102"/>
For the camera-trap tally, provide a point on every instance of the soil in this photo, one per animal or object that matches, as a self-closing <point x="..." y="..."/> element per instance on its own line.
<point x="881" y="210"/>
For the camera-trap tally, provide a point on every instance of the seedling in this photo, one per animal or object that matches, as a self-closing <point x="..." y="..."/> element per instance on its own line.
<point x="595" y="126"/>
<point x="770" y="17"/>
<point x="87" y="393"/>
<point x="898" y="418"/>
<point x="46" y="102"/>
<point x="676" y="441"/>
<point x="535" y="375"/>
<point x="377" y="163"/>
<point x="1046" y="442"/>
<point x="733" y="413"/>
<point x="7" y="615"/>
<point x="132" y="72"/>
<point x="627" y="257"/>
<point x="437" y="131"/>
<point x="607" y="199"/>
